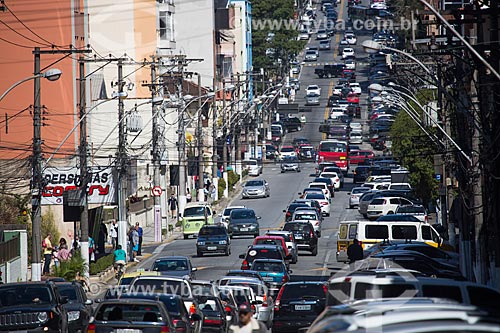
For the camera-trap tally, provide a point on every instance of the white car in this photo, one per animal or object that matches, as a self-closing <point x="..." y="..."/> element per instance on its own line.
<point x="323" y="188"/>
<point x="385" y="205"/>
<point x="337" y="90"/>
<point x="321" y="34"/>
<point x="356" y="138"/>
<point x="303" y="35"/>
<point x="323" y="200"/>
<point x="356" y="127"/>
<point x="347" y="52"/>
<point x="355" y="87"/>
<point x="311" y="56"/>
<point x="400" y="186"/>
<point x="225" y="214"/>
<point x="378" y="5"/>
<point x="414" y="210"/>
<point x="334" y="177"/>
<point x="336" y="111"/>
<point x="355" y="194"/>
<point x="313" y="89"/>
<point x="287" y="151"/>
<point x="310" y="216"/>
<point x="315" y="49"/>
<point x="253" y="167"/>
<point x="350" y="64"/>
<point x="351" y="38"/>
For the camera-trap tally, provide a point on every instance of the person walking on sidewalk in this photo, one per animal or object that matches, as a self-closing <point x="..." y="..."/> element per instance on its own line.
<point x="172" y="203"/>
<point x="47" y="254"/>
<point x="139" y="232"/>
<point x="135" y="244"/>
<point x="113" y="231"/>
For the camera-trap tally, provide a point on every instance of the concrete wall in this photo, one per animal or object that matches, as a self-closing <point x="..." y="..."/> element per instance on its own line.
<point x="17" y="269"/>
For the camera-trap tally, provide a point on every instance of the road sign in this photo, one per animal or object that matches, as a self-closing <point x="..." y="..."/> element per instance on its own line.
<point x="156" y="191"/>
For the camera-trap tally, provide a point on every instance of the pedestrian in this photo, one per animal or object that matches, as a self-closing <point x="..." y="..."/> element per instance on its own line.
<point x="212" y="193"/>
<point x="172" y="203"/>
<point x="139" y="232"/>
<point x="113" y="231"/>
<point x="91" y="249"/>
<point x="75" y="245"/>
<point x="355" y="251"/>
<point x="101" y="239"/>
<point x="246" y="322"/>
<point x="47" y="254"/>
<point x="135" y="244"/>
<point x="63" y="254"/>
<point x="188" y="196"/>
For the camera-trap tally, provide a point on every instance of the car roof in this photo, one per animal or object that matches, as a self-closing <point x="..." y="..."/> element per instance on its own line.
<point x="262" y="247"/>
<point x="268" y="237"/>
<point x="196" y="204"/>
<point x="171" y="257"/>
<point x="140" y="273"/>
<point x="268" y="260"/>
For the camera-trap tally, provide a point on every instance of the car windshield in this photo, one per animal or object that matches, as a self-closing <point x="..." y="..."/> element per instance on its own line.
<point x="212" y="231"/>
<point x="300" y="291"/>
<point x="411" y="209"/>
<point x="254" y="183"/>
<point x="24" y="295"/>
<point x="303" y="216"/>
<point x="316" y="196"/>
<point x="68" y="291"/>
<point x="129" y="312"/>
<point x="163" y="286"/>
<point x="360" y="190"/>
<point x="194" y="211"/>
<point x="333" y="147"/>
<point x="262" y="266"/>
<point x="296" y="227"/>
<point x="242" y="214"/>
<point x="287" y="149"/>
<point x="170" y="265"/>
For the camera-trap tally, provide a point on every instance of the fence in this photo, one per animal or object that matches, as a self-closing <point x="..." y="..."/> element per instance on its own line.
<point x="10" y="249"/>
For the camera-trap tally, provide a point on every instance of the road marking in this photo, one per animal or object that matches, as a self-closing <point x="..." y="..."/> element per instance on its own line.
<point x="318" y="269"/>
<point x="325" y="263"/>
<point x="203" y="267"/>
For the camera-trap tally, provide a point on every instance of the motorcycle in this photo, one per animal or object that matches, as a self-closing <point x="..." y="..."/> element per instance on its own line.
<point x="120" y="270"/>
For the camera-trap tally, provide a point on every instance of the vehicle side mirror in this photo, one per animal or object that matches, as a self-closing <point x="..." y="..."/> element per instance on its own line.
<point x="299" y="193"/>
<point x="241" y="256"/>
<point x="259" y="217"/>
<point x="89" y="302"/>
<point x="290" y="271"/>
<point x="284" y="210"/>
<point x="194" y="269"/>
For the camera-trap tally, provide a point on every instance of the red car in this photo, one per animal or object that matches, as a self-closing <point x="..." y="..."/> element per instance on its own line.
<point x="352" y="98"/>
<point x="359" y="156"/>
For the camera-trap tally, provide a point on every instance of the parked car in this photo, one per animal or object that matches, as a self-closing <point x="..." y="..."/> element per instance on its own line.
<point x="253" y="166"/>
<point x="257" y="188"/>
<point x="305" y="236"/>
<point x="243" y="222"/>
<point x="213" y="239"/>
<point x="79" y="307"/>
<point x="355" y="194"/>
<point x="297" y="305"/>
<point x="178" y="266"/>
<point x="131" y="315"/>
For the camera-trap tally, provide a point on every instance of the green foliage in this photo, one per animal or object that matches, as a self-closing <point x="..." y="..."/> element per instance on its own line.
<point x="69" y="268"/>
<point x="49" y="226"/>
<point x="244" y="173"/>
<point x="14" y="209"/>
<point x="221" y="185"/>
<point x="232" y="179"/>
<point x="101" y="264"/>
<point x="415" y="151"/>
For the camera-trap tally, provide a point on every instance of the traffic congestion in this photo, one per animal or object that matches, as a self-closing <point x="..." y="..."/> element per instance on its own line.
<point x="326" y="235"/>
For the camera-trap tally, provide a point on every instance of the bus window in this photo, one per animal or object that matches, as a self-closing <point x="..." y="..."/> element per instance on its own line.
<point x="343" y="231"/>
<point x="353" y="231"/>
<point x="404" y="232"/>
<point x="377" y="232"/>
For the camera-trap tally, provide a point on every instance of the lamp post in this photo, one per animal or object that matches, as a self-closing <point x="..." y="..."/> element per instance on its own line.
<point x="52" y="74"/>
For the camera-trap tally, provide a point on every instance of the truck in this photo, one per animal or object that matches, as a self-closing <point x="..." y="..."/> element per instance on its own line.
<point x="332" y="70"/>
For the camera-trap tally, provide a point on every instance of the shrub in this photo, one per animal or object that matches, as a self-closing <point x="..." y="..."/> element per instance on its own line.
<point x="232" y="178"/>
<point x="68" y="269"/>
<point x="101" y="264"/>
<point x="244" y="173"/>
<point x="220" y="187"/>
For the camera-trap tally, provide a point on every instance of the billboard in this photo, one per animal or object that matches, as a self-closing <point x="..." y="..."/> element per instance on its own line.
<point x="100" y="188"/>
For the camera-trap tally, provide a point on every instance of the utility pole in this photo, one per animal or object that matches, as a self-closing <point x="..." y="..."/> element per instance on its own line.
<point x="155" y="153"/>
<point x="215" y="174"/>
<point x="36" y="186"/>
<point x="84" y="215"/>
<point x="237" y="131"/>
<point x="201" y="183"/>
<point x="121" y="166"/>
<point x="181" y="137"/>
<point x="224" y="136"/>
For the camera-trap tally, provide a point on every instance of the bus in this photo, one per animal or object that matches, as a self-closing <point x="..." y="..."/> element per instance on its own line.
<point x="334" y="151"/>
<point x="362" y="13"/>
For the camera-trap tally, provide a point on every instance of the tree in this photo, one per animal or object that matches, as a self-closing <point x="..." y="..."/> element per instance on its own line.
<point x="415" y="151"/>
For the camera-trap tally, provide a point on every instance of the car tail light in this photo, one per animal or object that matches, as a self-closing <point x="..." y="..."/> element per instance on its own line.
<point x="264" y="301"/>
<point x="165" y="329"/>
<point x="325" y="289"/>
<point x="227" y="309"/>
<point x="426" y="219"/>
<point x="254" y="309"/>
<point x="284" y="279"/>
<point x="244" y="265"/>
<point x="212" y="321"/>
<point x="324" y="203"/>
<point x="192" y="309"/>
<point x="311" y="233"/>
<point x="178" y="329"/>
<point x="278" y="299"/>
<point x="91" y="328"/>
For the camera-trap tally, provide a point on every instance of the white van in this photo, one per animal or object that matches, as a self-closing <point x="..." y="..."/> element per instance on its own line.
<point x="370" y="233"/>
<point x="381" y="284"/>
<point x="253" y="166"/>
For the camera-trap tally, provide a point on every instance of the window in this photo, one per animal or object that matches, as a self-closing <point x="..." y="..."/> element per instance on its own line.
<point x="484" y="297"/>
<point x="166" y="26"/>
<point x="404" y="232"/>
<point x="377" y="232"/>
<point x="353" y="231"/>
<point x="441" y="291"/>
<point x="394" y="201"/>
<point x="338" y="293"/>
<point x="343" y="231"/>
<point x="367" y="290"/>
<point x="426" y="232"/>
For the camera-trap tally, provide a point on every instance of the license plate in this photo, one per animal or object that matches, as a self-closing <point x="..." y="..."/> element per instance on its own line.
<point x="267" y="278"/>
<point x="244" y="229"/>
<point x="302" y="307"/>
<point x="212" y="248"/>
<point x="127" y="330"/>
<point x="298" y="236"/>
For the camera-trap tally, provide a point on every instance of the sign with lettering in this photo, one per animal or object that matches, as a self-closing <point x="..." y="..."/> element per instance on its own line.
<point x="100" y="187"/>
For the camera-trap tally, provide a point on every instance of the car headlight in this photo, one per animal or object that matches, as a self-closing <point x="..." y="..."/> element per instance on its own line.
<point x="200" y="243"/>
<point x="222" y="242"/>
<point x="42" y="316"/>
<point x="73" y="315"/>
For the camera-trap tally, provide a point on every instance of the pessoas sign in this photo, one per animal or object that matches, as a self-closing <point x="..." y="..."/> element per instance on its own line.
<point x="100" y="189"/>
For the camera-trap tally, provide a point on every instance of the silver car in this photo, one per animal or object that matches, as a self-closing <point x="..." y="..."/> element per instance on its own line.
<point x="355" y="194"/>
<point x="258" y="188"/>
<point x="311" y="56"/>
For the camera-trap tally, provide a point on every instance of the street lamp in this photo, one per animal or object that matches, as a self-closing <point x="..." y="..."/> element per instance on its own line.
<point x="52" y="74"/>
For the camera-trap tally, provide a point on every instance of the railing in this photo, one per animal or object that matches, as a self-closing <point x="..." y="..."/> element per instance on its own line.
<point x="10" y="250"/>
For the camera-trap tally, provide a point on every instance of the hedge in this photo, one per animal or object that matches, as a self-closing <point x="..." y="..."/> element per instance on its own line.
<point x="101" y="264"/>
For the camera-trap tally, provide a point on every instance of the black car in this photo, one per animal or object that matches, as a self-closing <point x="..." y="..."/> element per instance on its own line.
<point x="180" y="317"/>
<point x="214" y="314"/>
<point x="292" y="124"/>
<point x="79" y="307"/>
<point x="213" y="239"/>
<point x="32" y="307"/>
<point x="132" y="315"/>
<point x="298" y="304"/>
<point x="243" y="221"/>
<point x="299" y="141"/>
<point x="360" y="174"/>
<point x="304" y="234"/>
<point x="178" y="266"/>
<point x="291" y="208"/>
<point x="262" y="252"/>
<point x="307" y="153"/>
<point x="271" y="152"/>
